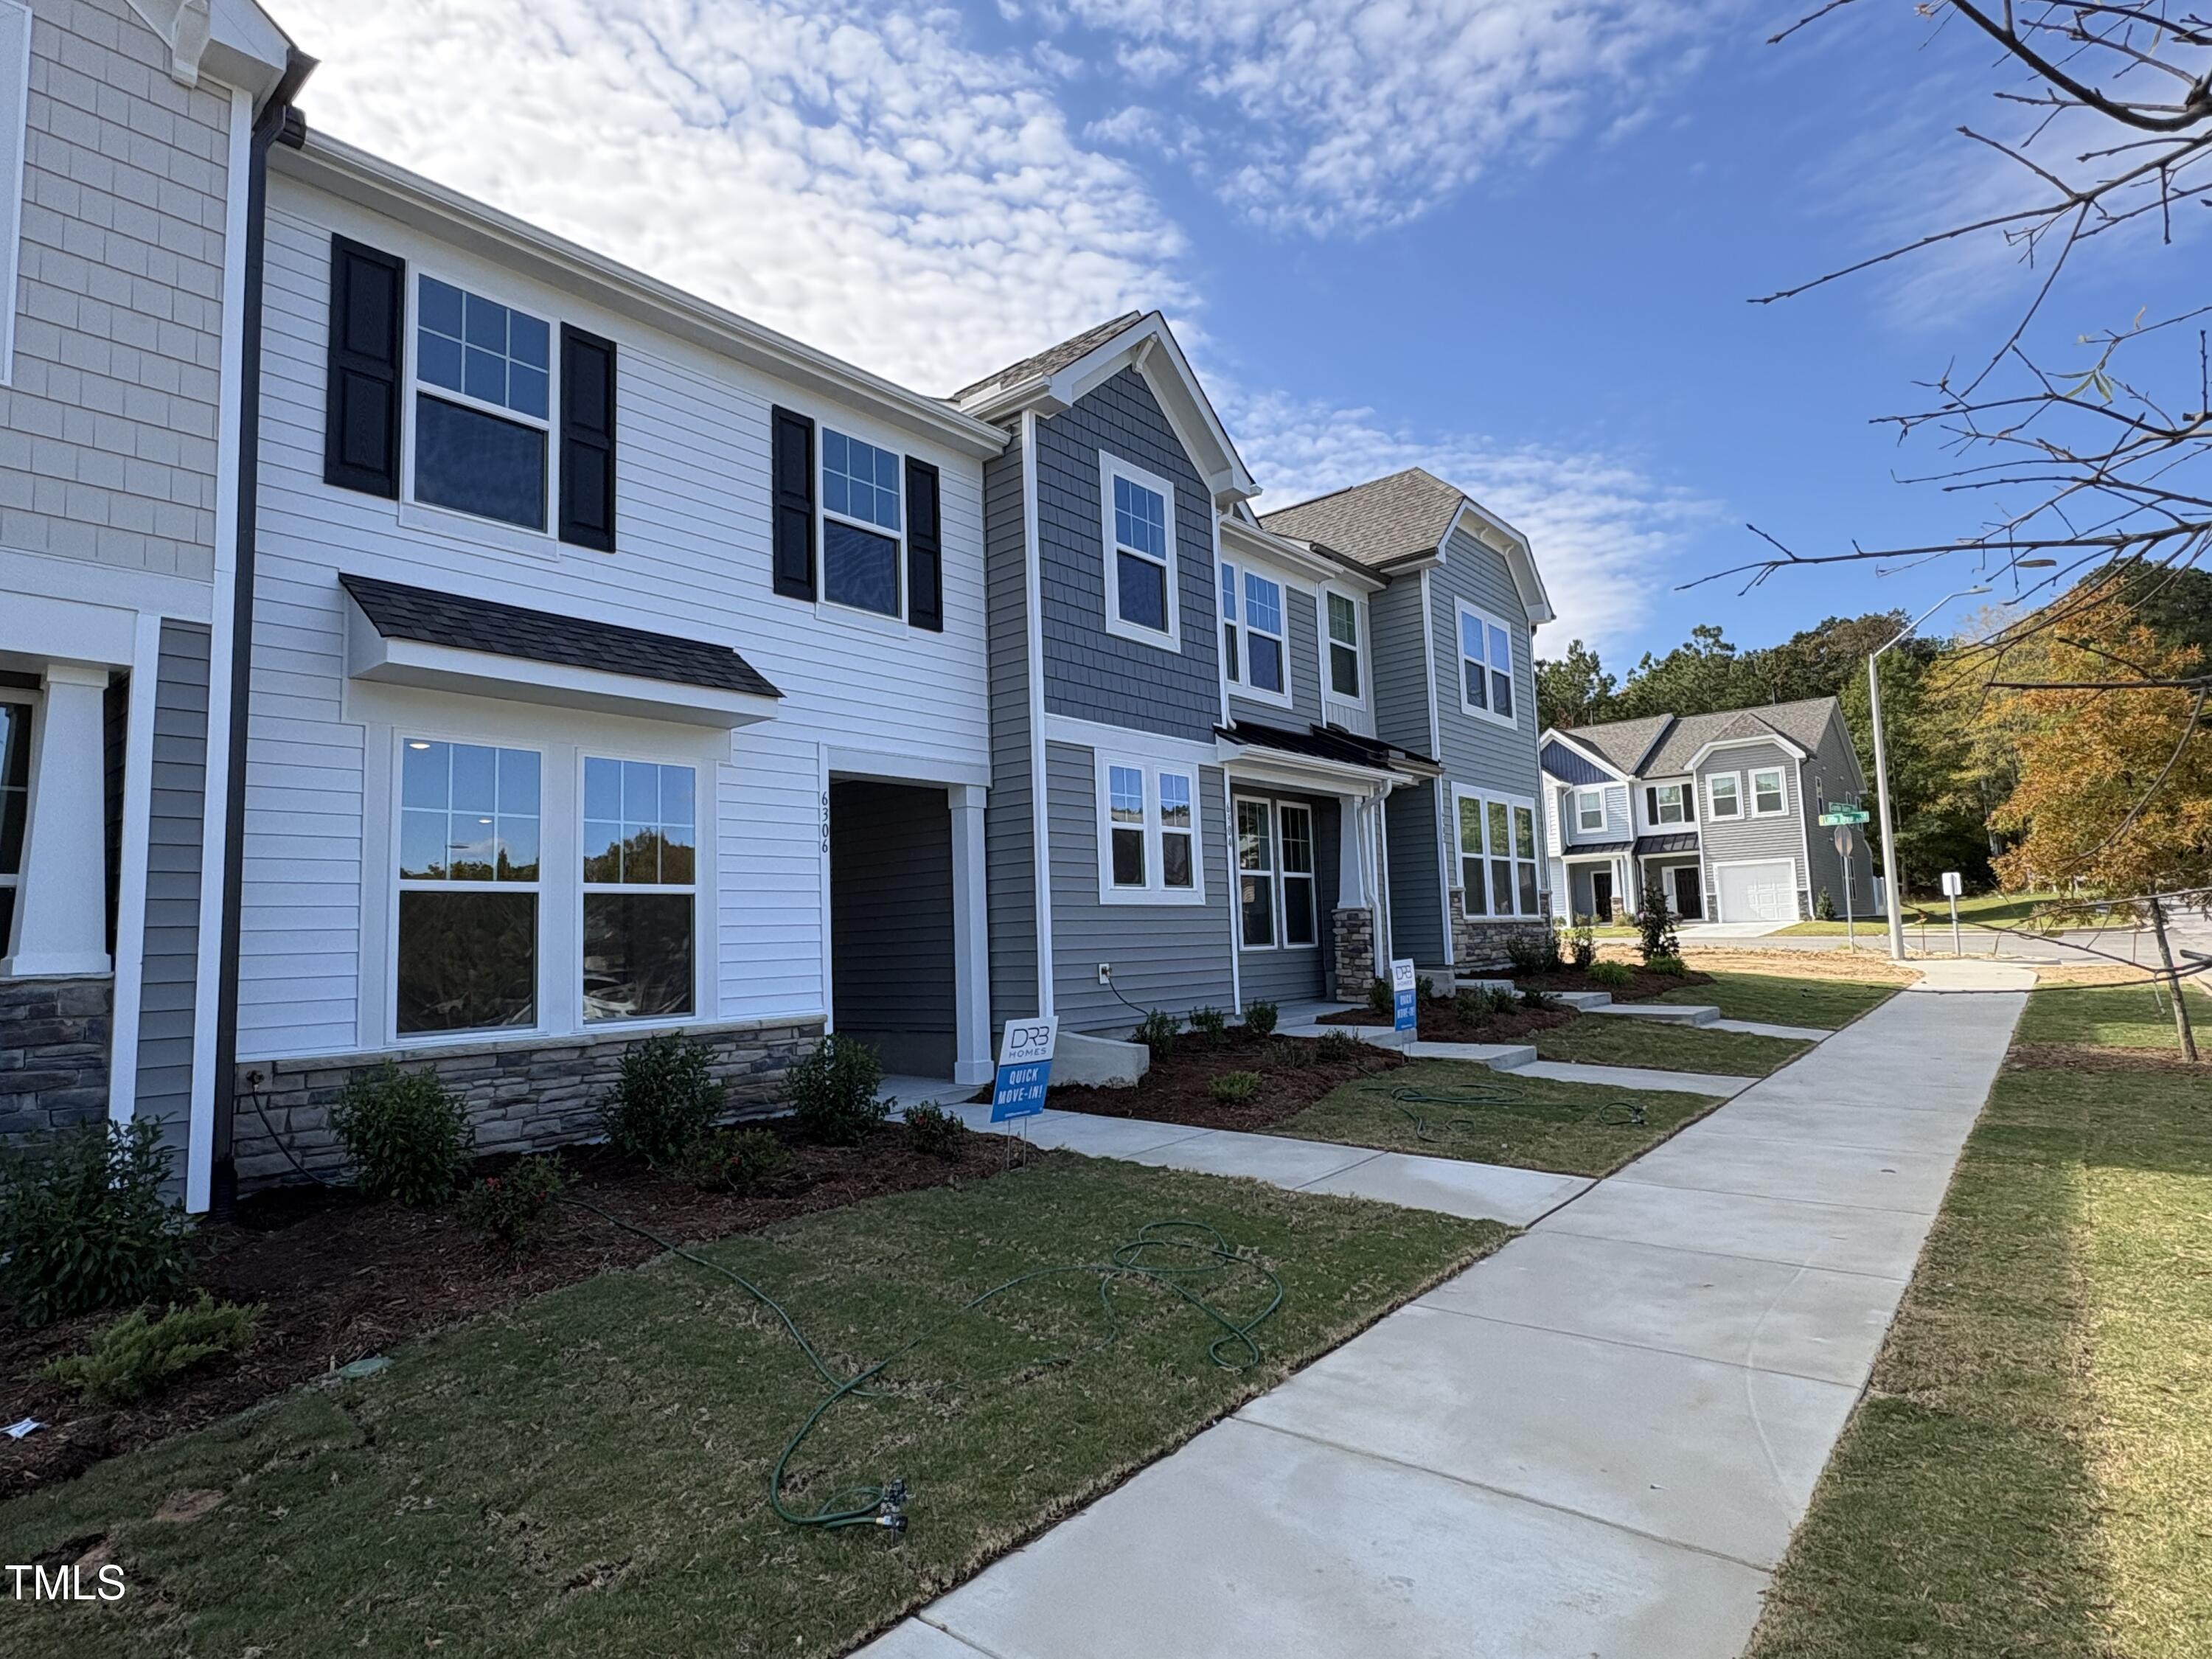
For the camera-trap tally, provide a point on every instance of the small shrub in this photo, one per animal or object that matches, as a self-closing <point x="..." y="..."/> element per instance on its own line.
<point x="735" y="1160"/>
<point x="1504" y="999"/>
<point x="1232" y="1087"/>
<point x="663" y="1101"/>
<point x="1423" y="989"/>
<point x="1157" y="1031"/>
<point x="1259" y="1018"/>
<point x="513" y="1210"/>
<point x="1534" y="952"/>
<point x="1536" y="1002"/>
<point x="83" y="1222"/>
<point x="1582" y="947"/>
<point x="934" y="1130"/>
<point x="1338" y="1047"/>
<point x="1614" y="976"/>
<point x="1667" y="966"/>
<point x="406" y="1133"/>
<point x="1290" y="1055"/>
<point x="137" y="1356"/>
<point x="1209" y="1024"/>
<point x="1824" y="907"/>
<point x="1380" y="999"/>
<point x="1471" y="1004"/>
<point x="1655" y="925"/>
<point x="834" y="1093"/>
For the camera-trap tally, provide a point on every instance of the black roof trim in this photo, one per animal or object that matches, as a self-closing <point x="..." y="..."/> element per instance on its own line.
<point x="1578" y="849"/>
<point x="427" y="618"/>
<point x="1677" y="841"/>
<point x="1325" y="743"/>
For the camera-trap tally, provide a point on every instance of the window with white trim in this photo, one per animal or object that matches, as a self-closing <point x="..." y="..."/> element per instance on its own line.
<point x="469" y="886"/>
<point x="1266" y="655"/>
<point x="1138" y="528"/>
<point x="484" y="391"/>
<point x="1668" y="803"/>
<point x="1724" y="795"/>
<point x="1498" y="857"/>
<point x="641" y="889"/>
<point x="15" y="811"/>
<point x="1255" y="874"/>
<point x="861" y="536"/>
<point x="1148" y="833"/>
<point x="1589" y="811"/>
<point x="1295" y="841"/>
<point x="1486" y="666"/>
<point x="1767" y="797"/>
<point x="1344" y="676"/>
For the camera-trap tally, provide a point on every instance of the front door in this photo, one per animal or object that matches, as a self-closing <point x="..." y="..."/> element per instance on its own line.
<point x="1689" y="892"/>
<point x="1601" y="894"/>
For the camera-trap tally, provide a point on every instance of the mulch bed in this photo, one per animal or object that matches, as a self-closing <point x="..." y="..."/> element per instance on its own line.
<point x="1644" y="986"/>
<point x="1440" y="1022"/>
<point x="2087" y="1057"/>
<point x="343" y="1279"/>
<point x="1293" y="1075"/>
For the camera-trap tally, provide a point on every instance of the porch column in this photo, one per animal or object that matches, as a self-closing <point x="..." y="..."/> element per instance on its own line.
<point x="971" y="954"/>
<point x="1352" y="886"/>
<point x="62" y="922"/>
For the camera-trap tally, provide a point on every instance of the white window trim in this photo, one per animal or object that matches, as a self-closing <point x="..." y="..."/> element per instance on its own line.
<point x="23" y="697"/>
<point x="1111" y="466"/>
<point x="1229" y="568"/>
<point x="1689" y="791"/>
<point x="837" y="609"/>
<point x="1461" y="609"/>
<point x="1245" y="687"/>
<point x="1155" y="890"/>
<point x="702" y="807"/>
<point x="1582" y="797"/>
<point x="1780" y="773"/>
<point x="1537" y="863"/>
<point x="1329" y="692"/>
<point x="1284" y="878"/>
<point x="1273" y="873"/>
<point x="1713" y="813"/>
<point x="545" y="543"/>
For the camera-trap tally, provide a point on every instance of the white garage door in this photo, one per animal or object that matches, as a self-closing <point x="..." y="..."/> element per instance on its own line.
<point x="1758" y="892"/>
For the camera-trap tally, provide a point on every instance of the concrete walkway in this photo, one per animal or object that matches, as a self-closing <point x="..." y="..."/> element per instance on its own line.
<point x="1594" y="1442"/>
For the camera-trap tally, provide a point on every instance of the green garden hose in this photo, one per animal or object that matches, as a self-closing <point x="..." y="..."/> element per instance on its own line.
<point x="1607" y="1114"/>
<point x="1209" y="1254"/>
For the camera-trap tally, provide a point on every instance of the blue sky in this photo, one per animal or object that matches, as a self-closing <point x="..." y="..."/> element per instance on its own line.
<point x="1513" y="241"/>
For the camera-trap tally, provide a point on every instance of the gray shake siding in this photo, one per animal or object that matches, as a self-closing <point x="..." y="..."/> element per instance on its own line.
<point x="1288" y="974"/>
<point x="1731" y="841"/>
<point x="1089" y="673"/>
<point x="108" y="428"/>
<point x="1301" y="625"/>
<point x="167" y="993"/>
<point x="1009" y="829"/>
<point x="1171" y="956"/>
<point x="890" y="896"/>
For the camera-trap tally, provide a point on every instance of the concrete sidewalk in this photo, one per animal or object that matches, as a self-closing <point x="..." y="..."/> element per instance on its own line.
<point x="1594" y="1442"/>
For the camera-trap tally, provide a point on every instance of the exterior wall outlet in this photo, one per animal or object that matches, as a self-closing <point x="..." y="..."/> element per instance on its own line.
<point x="1105" y="973"/>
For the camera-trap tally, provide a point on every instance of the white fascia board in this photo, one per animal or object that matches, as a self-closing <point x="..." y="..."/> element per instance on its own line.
<point x="1250" y="764"/>
<point x="1494" y="532"/>
<point x="234" y="41"/>
<point x="1245" y="544"/>
<point x="367" y="181"/>
<point x="379" y="660"/>
<point x="1773" y="739"/>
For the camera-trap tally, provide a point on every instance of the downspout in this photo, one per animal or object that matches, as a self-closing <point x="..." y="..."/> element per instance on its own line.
<point x="278" y="122"/>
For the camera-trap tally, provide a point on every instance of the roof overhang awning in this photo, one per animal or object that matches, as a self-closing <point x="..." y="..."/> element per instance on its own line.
<point x="1593" y="849"/>
<point x="401" y="635"/>
<point x="1681" y="842"/>
<point x="1318" y="758"/>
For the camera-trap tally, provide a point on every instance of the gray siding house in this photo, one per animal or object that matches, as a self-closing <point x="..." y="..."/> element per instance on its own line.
<point x="1719" y="812"/>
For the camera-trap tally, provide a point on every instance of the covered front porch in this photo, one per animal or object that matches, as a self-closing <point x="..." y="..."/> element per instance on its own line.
<point x="1599" y="883"/>
<point x="1675" y="865"/>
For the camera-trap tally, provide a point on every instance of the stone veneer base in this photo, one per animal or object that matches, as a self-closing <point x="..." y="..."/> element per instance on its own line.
<point x="523" y="1094"/>
<point x="1351" y="965"/>
<point x="54" y="1036"/>
<point x="1481" y="942"/>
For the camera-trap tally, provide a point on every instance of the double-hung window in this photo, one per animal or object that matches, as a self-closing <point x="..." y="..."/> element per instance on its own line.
<point x="1497" y="856"/>
<point x="1486" y="666"/>
<point x="641" y="889"/>
<point x="1589" y="811"/>
<point x="860" y="523"/>
<point x="1767" y="798"/>
<point x="468" y="887"/>
<point x="15" y="811"/>
<point x="1668" y="803"/>
<point x="1137" y="527"/>
<point x="1265" y="656"/>
<point x="1255" y="874"/>
<point x="483" y="405"/>
<point x="1724" y="795"/>
<point x="1344" y="680"/>
<point x="1148" y="833"/>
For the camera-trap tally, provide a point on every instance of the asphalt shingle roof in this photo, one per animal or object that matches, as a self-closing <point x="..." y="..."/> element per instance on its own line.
<point x="1378" y="522"/>
<point x="1053" y="359"/>
<point x="1638" y="748"/>
<point x="1622" y="742"/>
<point x="428" y="617"/>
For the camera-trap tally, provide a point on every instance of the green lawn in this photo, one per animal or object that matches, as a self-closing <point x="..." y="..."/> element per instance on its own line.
<point x="1625" y="1040"/>
<point x="1997" y="909"/>
<point x="2030" y="1473"/>
<point x="586" y="1473"/>
<point x="1471" y="1112"/>
<point x="2109" y="1017"/>
<point x="1779" y="999"/>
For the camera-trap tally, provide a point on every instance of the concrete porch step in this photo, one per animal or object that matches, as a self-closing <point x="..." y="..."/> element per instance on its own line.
<point x="1674" y="1013"/>
<point x="1584" y="1000"/>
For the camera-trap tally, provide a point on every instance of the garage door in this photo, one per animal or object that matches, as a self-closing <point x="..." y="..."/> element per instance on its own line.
<point x="1758" y="892"/>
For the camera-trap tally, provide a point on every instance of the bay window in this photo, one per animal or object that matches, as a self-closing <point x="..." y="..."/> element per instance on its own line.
<point x="1498" y="855"/>
<point x="860" y="524"/>
<point x="1255" y="874"/>
<point x="641" y="889"/>
<point x="1344" y="680"/>
<point x="1148" y="851"/>
<point x="1138" y="528"/>
<point x="468" y="922"/>
<point x="15" y="811"/>
<point x="483" y="406"/>
<point x="1486" y="650"/>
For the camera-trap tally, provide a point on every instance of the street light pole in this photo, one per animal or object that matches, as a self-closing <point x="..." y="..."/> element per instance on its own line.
<point x="1891" y="906"/>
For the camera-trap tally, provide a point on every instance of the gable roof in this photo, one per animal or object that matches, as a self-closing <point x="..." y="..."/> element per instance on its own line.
<point x="1663" y="745"/>
<point x="1055" y="358"/>
<point x="1406" y="516"/>
<point x="1568" y="767"/>
<point x="1622" y="745"/>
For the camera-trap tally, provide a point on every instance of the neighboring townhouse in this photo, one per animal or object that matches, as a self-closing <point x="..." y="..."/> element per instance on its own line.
<point x="131" y="136"/>
<point x="618" y="667"/>
<point x="1453" y="677"/>
<point x="1718" y="812"/>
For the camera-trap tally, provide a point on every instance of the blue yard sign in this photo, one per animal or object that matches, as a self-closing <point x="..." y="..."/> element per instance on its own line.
<point x="1024" y="1068"/>
<point x="1406" y="1014"/>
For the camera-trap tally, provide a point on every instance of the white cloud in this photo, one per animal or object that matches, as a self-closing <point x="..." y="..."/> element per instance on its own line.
<point x="858" y="177"/>
<point x="1348" y="115"/>
<point x="1604" y="531"/>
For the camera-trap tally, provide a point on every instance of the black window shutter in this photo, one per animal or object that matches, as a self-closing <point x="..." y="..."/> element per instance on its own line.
<point x="792" y="487"/>
<point x="369" y="310"/>
<point x="924" y="548"/>
<point x="1651" y="805"/>
<point x="1690" y="802"/>
<point x="588" y="440"/>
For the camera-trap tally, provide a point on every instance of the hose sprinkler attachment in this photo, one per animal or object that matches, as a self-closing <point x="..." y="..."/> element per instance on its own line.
<point x="891" y="1514"/>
